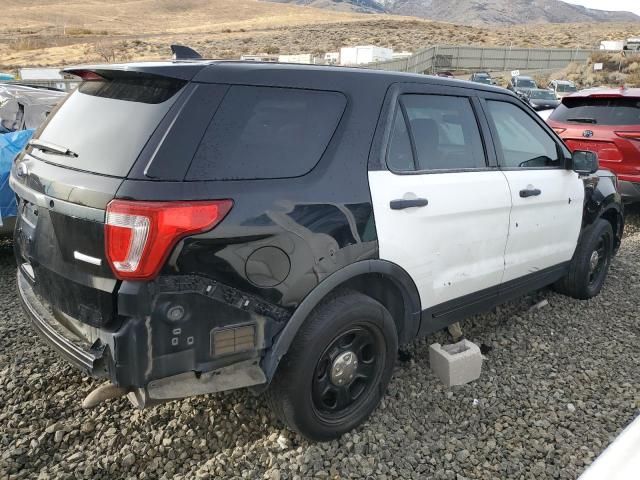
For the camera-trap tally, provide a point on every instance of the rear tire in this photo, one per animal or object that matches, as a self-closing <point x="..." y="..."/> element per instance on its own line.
<point x="590" y="263"/>
<point x="337" y="369"/>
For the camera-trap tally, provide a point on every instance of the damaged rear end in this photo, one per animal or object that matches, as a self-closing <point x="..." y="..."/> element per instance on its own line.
<point x="128" y="264"/>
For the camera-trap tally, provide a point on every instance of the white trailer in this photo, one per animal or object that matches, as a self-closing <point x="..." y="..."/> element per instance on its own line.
<point x="364" y="54"/>
<point x="614" y="45"/>
<point x="306" y="58"/>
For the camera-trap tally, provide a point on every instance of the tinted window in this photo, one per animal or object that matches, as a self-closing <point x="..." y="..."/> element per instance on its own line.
<point x="562" y="87"/>
<point x="107" y="123"/>
<point x="525" y="83"/>
<point x="143" y="89"/>
<point x="521" y="140"/>
<point x="400" y="155"/>
<point x="262" y="132"/>
<point x="444" y="132"/>
<point x="542" y="95"/>
<point x="601" y="111"/>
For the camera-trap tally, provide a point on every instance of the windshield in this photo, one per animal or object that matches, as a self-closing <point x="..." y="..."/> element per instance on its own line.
<point x="566" y="88"/>
<point x="483" y="79"/>
<point x="600" y="111"/>
<point x="542" y="95"/>
<point x="525" y="83"/>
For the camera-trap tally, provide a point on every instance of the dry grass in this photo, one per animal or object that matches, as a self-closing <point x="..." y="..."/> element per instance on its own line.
<point x="49" y="32"/>
<point x="617" y="70"/>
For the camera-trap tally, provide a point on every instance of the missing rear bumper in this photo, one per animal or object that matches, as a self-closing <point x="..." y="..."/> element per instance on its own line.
<point x="91" y="358"/>
<point x="158" y="357"/>
<point x="188" y="384"/>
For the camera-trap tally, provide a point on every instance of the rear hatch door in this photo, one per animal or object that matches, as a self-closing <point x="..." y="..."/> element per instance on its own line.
<point x="71" y="171"/>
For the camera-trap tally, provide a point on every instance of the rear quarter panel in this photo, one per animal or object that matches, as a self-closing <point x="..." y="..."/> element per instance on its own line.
<point x="284" y="236"/>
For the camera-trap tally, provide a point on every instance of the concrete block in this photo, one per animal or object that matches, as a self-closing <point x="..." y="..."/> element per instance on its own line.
<point x="457" y="363"/>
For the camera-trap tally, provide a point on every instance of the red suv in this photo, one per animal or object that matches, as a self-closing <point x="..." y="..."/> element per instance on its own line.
<point x="605" y="121"/>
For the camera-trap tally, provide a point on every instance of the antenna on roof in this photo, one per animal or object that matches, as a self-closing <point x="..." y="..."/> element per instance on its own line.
<point x="180" y="52"/>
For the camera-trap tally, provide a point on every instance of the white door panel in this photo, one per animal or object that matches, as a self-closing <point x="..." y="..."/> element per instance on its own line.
<point x="453" y="246"/>
<point x="543" y="229"/>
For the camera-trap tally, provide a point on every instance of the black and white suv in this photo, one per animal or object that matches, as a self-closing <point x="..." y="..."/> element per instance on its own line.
<point x="192" y="227"/>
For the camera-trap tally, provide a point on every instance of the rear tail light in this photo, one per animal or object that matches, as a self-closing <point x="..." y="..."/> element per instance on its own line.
<point x="629" y="135"/>
<point x="559" y="130"/>
<point x="140" y="235"/>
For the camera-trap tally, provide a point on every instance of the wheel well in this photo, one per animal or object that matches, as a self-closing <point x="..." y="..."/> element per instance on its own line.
<point x="383" y="281"/>
<point x="384" y="290"/>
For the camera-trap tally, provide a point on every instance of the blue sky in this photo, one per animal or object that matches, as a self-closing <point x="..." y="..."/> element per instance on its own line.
<point x="628" y="5"/>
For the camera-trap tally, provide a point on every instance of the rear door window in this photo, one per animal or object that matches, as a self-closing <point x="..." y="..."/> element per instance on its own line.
<point x="106" y="123"/>
<point x="267" y="132"/>
<point x="444" y="135"/>
<point x="598" y="111"/>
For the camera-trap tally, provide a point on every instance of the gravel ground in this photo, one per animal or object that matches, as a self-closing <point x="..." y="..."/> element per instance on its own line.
<point x="559" y="383"/>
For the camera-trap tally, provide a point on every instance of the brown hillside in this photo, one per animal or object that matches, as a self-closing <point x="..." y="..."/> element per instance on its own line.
<point x="49" y="32"/>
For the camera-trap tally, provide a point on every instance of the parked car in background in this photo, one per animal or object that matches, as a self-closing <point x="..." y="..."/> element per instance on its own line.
<point x="445" y="74"/>
<point x="541" y="99"/>
<point x="228" y="239"/>
<point x="521" y="83"/>
<point x="562" y="88"/>
<point x="605" y="121"/>
<point x="22" y="109"/>
<point x="482" y="77"/>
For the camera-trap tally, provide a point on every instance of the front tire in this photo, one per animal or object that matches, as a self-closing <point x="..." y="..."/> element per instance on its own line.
<point x="337" y="369"/>
<point x="590" y="263"/>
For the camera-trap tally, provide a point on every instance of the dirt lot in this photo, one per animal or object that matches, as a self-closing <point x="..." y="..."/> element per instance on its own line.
<point x="48" y="33"/>
<point x="559" y="383"/>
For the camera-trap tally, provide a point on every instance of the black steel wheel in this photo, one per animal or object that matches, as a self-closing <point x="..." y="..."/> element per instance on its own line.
<point x="347" y="371"/>
<point x="599" y="259"/>
<point x="337" y="368"/>
<point x="590" y="263"/>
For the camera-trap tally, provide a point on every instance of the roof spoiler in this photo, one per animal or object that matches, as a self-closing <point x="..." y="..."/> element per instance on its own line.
<point x="181" y="52"/>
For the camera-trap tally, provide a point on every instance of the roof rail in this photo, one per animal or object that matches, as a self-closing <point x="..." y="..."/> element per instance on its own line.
<point x="181" y="52"/>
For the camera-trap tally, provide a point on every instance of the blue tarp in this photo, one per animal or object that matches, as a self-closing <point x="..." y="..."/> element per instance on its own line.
<point x="10" y="145"/>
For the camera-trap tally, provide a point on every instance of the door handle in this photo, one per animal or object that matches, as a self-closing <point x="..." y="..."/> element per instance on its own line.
<point x="401" y="204"/>
<point x="530" y="192"/>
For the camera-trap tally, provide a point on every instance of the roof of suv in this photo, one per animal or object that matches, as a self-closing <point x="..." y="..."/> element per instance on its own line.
<point x="607" y="92"/>
<point x="187" y="70"/>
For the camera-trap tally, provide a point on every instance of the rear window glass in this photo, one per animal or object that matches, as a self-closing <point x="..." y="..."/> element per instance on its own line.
<point x="525" y="83"/>
<point x="542" y="95"/>
<point x="600" y="111"/>
<point x="267" y="132"/>
<point x="444" y="133"/>
<point x="141" y="89"/>
<point x="563" y="87"/>
<point x="107" y="123"/>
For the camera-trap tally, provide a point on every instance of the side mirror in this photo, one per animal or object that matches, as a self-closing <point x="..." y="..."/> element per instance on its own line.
<point x="584" y="162"/>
